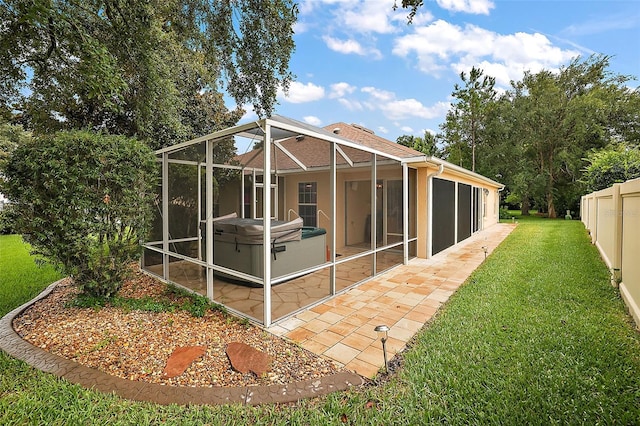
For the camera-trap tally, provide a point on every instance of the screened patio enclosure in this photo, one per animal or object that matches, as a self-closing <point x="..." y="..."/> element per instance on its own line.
<point x="303" y="216"/>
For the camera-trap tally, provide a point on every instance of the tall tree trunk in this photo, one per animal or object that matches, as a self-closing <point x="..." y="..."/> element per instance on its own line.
<point x="473" y="156"/>
<point x="473" y="143"/>
<point x="551" y="208"/>
<point x="526" y="205"/>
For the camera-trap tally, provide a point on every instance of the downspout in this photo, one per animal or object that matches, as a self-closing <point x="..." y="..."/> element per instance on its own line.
<point x="498" y="204"/>
<point x="434" y="174"/>
<point x="430" y="207"/>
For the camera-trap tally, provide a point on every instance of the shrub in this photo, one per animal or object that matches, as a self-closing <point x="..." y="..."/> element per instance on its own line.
<point x="11" y="137"/>
<point x="504" y="213"/>
<point x="614" y="164"/>
<point x="7" y="219"/>
<point x="83" y="200"/>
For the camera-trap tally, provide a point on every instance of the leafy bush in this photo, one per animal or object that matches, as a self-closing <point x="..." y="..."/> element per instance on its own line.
<point x="11" y="136"/>
<point x="504" y="213"/>
<point x="615" y="164"/>
<point x="7" y="219"/>
<point x="83" y="200"/>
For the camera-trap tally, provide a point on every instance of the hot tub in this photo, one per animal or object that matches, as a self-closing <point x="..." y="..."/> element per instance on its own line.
<point x="238" y="244"/>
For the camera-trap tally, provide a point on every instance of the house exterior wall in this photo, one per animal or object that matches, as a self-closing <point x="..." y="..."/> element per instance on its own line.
<point x="353" y="192"/>
<point x="229" y="199"/>
<point x="423" y="211"/>
<point x="350" y="226"/>
<point x="489" y="202"/>
<point x="291" y="182"/>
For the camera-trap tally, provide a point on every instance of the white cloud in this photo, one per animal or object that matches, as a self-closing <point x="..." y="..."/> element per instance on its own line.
<point x="351" y="46"/>
<point x="314" y="121"/>
<point x="478" y="7"/>
<point x="370" y="16"/>
<point x="441" y="45"/>
<point x="421" y="18"/>
<point x="339" y="90"/>
<point x="249" y="114"/>
<point x="344" y="46"/>
<point x="301" y="93"/>
<point x="383" y="129"/>
<point x="378" y="94"/>
<point x="307" y="7"/>
<point x="406" y="129"/>
<point x="399" y="109"/>
<point x="405" y="108"/>
<point x="301" y="27"/>
<point x="351" y="104"/>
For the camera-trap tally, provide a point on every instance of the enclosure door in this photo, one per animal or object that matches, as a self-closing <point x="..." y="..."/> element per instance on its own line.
<point x="393" y="229"/>
<point x="443" y="215"/>
<point x="357" y="213"/>
<point x="389" y="212"/>
<point x="254" y="205"/>
<point x="464" y="211"/>
<point x="477" y="209"/>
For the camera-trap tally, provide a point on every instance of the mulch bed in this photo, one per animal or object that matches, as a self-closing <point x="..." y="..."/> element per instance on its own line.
<point x="135" y="345"/>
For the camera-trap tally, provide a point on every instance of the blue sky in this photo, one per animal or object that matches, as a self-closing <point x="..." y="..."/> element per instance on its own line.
<point x="359" y="61"/>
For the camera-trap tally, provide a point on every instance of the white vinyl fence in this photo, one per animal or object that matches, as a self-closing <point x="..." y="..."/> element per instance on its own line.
<point x="612" y="216"/>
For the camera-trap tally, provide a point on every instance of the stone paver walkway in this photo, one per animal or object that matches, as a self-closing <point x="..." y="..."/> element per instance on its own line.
<point x="404" y="299"/>
<point x="342" y="329"/>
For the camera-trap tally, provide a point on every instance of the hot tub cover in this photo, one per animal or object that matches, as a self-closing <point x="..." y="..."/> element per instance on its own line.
<point x="250" y="231"/>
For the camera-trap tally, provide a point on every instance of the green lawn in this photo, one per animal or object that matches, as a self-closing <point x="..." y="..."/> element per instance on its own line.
<point x="20" y="278"/>
<point x="537" y="335"/>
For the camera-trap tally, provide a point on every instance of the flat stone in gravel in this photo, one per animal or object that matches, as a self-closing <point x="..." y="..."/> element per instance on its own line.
<point x="181" y="359"/>
<point x="244" y="358"/>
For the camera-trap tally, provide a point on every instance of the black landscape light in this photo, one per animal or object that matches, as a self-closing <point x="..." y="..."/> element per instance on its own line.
<point x="383" y="334"/>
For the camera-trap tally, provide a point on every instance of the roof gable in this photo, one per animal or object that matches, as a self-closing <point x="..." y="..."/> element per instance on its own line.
<point x="315" y="153"/>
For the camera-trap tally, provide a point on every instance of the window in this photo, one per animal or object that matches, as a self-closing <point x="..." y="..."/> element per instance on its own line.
<point x="308" y="203"/>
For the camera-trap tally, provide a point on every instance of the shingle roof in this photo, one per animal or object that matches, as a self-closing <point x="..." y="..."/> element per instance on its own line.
<point x="314" y="152"/>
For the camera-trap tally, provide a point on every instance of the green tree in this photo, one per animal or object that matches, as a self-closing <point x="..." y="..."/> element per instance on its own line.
<point x="83" y="200"/>
<point x="538" y="133"/>
<point x="11" y="136"/>
<point x="412" y="5"/>
<point x="563" y="116"/>
<point x="614" y="164"/>
<point x="464" y="125"/>
<point x="506" y="159"/>
<point x="427" y="144"/>
<point x="625" y="118"/>
<point x="154" y="69"/>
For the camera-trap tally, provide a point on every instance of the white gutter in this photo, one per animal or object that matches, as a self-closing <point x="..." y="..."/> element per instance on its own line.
<point x="461" y="171"/>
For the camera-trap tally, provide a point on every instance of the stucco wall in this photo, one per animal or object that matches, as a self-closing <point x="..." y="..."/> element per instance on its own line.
<point x="358" y="203"/>
<point x="353" y="192"/>
<point x="490" y="202"/>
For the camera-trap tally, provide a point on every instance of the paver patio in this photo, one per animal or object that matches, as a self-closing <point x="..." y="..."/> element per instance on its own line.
<point x="404" y="299"/>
